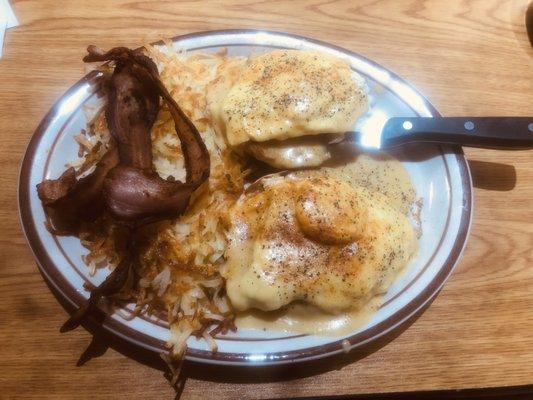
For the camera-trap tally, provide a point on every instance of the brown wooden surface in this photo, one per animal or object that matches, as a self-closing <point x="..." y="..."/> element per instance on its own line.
<point x="467" y="57"/>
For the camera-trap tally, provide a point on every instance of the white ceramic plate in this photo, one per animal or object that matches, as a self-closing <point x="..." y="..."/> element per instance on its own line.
<point x="440" y="175"/>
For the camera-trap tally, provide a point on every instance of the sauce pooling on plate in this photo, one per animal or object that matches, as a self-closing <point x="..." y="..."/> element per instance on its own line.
<point x="302" y="318"/>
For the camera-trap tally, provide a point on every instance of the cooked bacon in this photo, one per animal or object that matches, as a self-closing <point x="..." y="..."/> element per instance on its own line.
<point x="139" y="195"/>
<point x="69" y="201"/>
<point x="124" y="180"/>
<point x="112" y="284"/>
<point x="132" y="104"/>
<point x="133" y="190"/>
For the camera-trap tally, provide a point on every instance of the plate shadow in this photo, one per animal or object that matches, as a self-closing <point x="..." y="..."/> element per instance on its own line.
<point x="102" y="340"/>
<point x="492" y="176"/>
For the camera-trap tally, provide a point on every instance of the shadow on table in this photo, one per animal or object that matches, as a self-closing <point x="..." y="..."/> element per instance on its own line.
<point x="492" y="176"/>
<point x="235" y="374"/>
<point x="522" y="392"/>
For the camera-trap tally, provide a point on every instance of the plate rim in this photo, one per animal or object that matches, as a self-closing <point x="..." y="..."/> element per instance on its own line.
<point x="73" y="297"/>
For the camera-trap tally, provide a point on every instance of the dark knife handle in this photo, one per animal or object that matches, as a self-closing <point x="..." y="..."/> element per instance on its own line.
<point x="489" y="132"/>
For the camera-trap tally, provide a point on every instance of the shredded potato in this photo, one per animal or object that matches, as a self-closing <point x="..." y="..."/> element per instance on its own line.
<point x="179" y="265"/>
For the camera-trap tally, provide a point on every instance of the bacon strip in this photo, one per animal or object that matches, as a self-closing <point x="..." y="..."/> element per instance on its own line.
<point x="133" y="190"/>
<point x="69" y="202"/>
<point x="124" y="181"/>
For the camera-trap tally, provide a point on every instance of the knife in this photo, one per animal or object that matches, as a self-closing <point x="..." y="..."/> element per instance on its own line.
<point x="512" y="133"/>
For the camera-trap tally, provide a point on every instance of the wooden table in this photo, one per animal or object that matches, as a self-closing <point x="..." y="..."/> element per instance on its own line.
<point x="467" y="57"/>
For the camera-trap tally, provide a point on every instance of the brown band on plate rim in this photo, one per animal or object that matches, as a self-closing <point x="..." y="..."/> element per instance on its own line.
<point x="49" y="270"/>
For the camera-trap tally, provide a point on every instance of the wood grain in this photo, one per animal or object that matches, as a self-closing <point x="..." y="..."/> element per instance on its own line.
<point x="468" y="57"/>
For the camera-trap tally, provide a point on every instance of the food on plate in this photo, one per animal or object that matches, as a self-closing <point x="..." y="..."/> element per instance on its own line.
<point x="314" y="239"/>
<point x="293" y="153"/>
<point x="124" y="181"/>
<point x="284" y="107"/>
<point x="325" y="242"/>
<point x="168" y="194"/>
